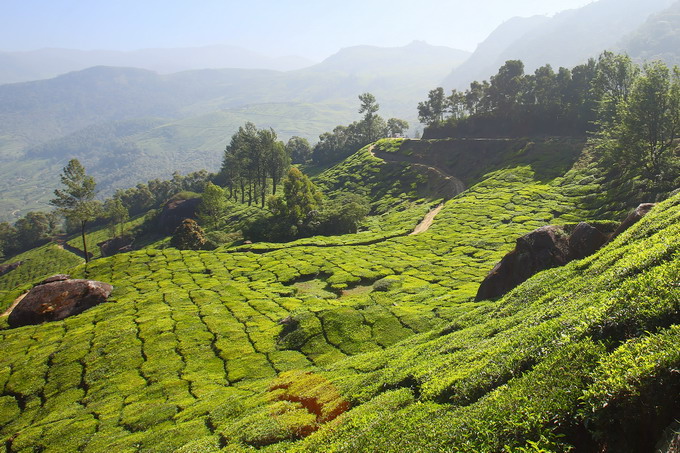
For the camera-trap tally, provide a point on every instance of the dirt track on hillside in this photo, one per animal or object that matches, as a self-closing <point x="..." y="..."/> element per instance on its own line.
<point x="426" y="223"/>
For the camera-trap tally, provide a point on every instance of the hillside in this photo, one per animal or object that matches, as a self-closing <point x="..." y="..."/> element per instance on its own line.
<point x="657" y="39"/>
<point x="48" y="63"/>
<point x="146" y="125"/>
<point x="567" y="39"/>
<point x="369" y="345"/>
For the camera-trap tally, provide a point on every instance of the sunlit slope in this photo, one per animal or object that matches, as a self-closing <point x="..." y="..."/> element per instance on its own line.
<point x="195" y="346"/>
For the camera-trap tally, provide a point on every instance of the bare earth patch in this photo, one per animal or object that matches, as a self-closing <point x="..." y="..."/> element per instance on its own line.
<point x="427" y="221"/>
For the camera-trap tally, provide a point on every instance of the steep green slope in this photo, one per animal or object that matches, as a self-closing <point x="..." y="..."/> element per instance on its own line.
<point x="374" y="347"/>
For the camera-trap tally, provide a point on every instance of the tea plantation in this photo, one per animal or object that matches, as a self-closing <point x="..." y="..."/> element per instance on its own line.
<point x="370" y="341"/>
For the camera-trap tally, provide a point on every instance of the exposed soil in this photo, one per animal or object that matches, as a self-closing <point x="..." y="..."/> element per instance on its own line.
<point x="426" y="223"/>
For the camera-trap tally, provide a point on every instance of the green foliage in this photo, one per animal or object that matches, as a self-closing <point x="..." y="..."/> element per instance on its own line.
<point x="256" y="347"/>
<point x="76" y="202"/>
<point x="117" y="214"/>
<point x="251" y="159"/>
<point x="515" y="104"/>
<point x="188" y="236"/>
<point x="213" y="202"/>
<point x="299" y="150"/>
<point x="345" y="140"/>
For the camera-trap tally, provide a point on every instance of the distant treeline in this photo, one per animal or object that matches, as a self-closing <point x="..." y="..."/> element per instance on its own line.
<point x="631" y="112"/>
<point x="37" y="228"/>
<point x="344" y="141"/>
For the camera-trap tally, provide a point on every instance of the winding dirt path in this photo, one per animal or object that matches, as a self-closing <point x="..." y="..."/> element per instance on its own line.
<point x="14" y="304"/>
<point x="426" y="223"/>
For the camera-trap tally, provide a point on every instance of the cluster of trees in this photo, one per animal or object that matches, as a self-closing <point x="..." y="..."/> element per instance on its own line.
<point x="156" y="192"/>
<point x="639" y="122"/>
<point x="75" y="202"/>
<point x="32" y="230"/>
<point x="515" y="103"/>
<point x="633" y="112"/>
<point x="302" y="212"/>
<point x="254" y="162"/>
<point x="345" y="140"/>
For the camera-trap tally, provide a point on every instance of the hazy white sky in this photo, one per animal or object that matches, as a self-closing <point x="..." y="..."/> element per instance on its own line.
<point x="309" y="28"/>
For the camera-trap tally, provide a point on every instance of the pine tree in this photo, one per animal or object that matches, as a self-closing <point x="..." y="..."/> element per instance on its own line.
<point x="76" y="202"/>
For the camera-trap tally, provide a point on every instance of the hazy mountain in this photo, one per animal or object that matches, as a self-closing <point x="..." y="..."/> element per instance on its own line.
<point x="657" y="39"/>
<point x="567" y="39"/>
<point x="47" y="63"/>
<point x="416" y="56"/>
<point x="101" y="114"/>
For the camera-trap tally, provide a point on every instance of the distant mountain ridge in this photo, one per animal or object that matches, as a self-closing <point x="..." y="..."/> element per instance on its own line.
<point x="128" y="125"/>
<point x="47" y="63"/>
<point x="657" y="39"/>
<point x="567" y="39"/>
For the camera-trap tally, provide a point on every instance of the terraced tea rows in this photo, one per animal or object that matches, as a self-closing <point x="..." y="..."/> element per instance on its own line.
<point x="197" y="349"/>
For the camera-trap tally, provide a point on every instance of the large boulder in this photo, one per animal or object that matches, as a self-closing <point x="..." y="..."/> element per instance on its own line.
<point x="57" y="298"/>
<point x="541" y="249"/>
<point x="585" y="240"/>
<point x="635" y="216"/>
<point x="175" y="211"/>
<point x="548" y="247"/>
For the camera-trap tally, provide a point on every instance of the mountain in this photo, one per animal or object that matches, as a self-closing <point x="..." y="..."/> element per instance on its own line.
<point x="567" y="39"/>
<point x="183" y="121"/>
<point x="657" y="39"/>
<point x="48" y="63"/>
<point x="367" y="60"/>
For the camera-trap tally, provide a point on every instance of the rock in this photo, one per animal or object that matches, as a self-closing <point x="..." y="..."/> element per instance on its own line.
<point x="116" y="245"/>
<point x="5" y="268"/>
<point x="541" y="249"/>
<point x="55" y="278"/>
<point x="639" y="212"/>
<point x="57" y="298"/>
<point x="585" y="240"/>
<point x="174" y="212"/>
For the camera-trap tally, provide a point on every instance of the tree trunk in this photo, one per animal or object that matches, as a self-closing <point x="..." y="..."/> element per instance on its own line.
<point x="82" y="232"/>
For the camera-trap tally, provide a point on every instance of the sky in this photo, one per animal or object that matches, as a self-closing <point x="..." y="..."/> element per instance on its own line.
<point x="312" y="29"/>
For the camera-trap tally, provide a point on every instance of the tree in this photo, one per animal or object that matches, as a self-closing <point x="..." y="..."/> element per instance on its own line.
<point x="612" y="85"/>
<point x="650" y="120"/>
<point x="117" y="214"/>
<point x="8" y="241"/>
<point x="505" y="88"/>
<point x="431" y="111"/>
<point x="188" y="236"/>
<point x="76" y="202"/>
<point x="301" y="195"/>
<point x="455" y="104"/>
<point x="33" y="228"/>
<point x="369" y="107"/>
<point x="342" y="215"/>
<point x="396" y="127"/>
<point x="212" y="204"/>
<point x="299" y="150"/>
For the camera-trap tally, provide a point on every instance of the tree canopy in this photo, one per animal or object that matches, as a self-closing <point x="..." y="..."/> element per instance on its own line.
<point x="76" y="201"/>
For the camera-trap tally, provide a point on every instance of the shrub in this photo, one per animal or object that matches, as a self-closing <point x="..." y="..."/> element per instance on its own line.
<point x="188" y="236"/>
